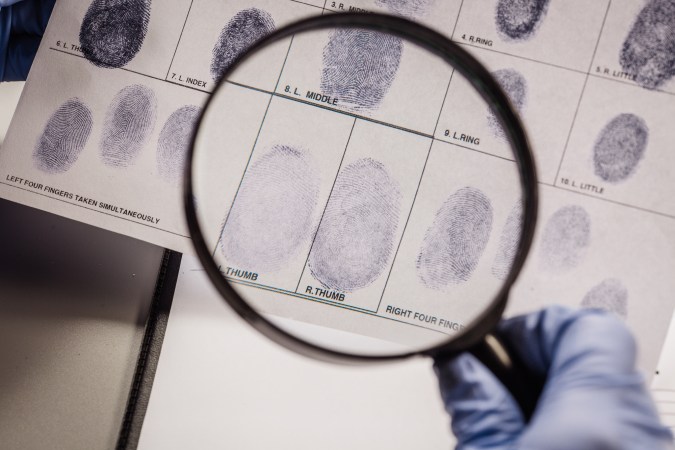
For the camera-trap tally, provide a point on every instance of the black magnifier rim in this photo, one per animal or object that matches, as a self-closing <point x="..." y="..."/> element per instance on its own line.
<point x="491" y="92"/>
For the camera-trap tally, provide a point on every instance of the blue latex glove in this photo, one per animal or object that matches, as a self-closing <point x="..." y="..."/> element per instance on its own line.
<point x="22" y="24"/>
<point x="594" y="397"/>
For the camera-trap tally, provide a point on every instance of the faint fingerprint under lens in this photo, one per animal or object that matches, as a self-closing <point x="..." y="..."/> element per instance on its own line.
<point x="174" y="142"/>
<point x="243" y="30"/>
<point x="565" y="239"/>
<point x="355" y="240"/>
<point x="509" y="242"/>
<point x="648" y="53"/>
<point x="273" y="214"/>
<point x="128" y="124"/>
<point x="410" y="8"/>
<point x="620" y="147"/>
<point x="359" y="67"/>
<point x="610" y="295"/>
<point x="113" y="31"/>
<point x="455" y="241"/>
<point x="518" y="20"/>
<point x="63" y="138"/>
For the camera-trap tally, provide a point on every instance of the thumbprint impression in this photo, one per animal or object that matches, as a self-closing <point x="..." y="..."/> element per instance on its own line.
<point x="455" y="242"/>
<point x="113" y="31"/>
<point x="514" y="85"/>
<point x="356" y="237"/>
<point x="63" y="138"/>
<point x="620" y="147"/>
<point x="509" y="242"/>
<point x="610" y="295"/>
<point x="359" y="67"/>
<point x="174" y="141"/>
<point x="272" y="215"/>
<point x="518" y="20"/>
<point x="566" y="237"/>
<point x="128" y="123"/>
<point x="243" y="30"/>
<point x="648" y="53"/>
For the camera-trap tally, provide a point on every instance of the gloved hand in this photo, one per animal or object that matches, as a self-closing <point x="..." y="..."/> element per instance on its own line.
<point x="594" y="397"/>
<point x="22" y="24"/>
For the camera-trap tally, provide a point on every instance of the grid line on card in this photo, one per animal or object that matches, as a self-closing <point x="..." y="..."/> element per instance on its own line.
<point x="524" y="58"/>
<point x="337" y="111"/>
<point x="616" y="202"/>
<point x="581" y="96"/>
<point x="459" y="13"/>
<point x="326" y="207"/>
<point x="326" y="302"/>
<point x="629" y="83"/>
<point x="417" y="190"/>
<point x="121" y="68"/>
<point x="255" y="143"/>
<point x="278" y="290"/>
<point x="187" y="16"/>
<point x="307" y="4"/>
<point x="474" y="150"/>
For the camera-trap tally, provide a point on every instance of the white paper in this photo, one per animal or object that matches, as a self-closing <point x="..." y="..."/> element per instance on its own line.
<point x="220" y="384"/>
<point x="663" y="384"/>
<point x="576" y="87"/>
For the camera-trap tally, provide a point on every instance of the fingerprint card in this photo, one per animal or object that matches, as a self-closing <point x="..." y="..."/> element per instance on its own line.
<point x="113" y="159"/>
<point x="356" y="182"/>
<point x="596" y="254"/>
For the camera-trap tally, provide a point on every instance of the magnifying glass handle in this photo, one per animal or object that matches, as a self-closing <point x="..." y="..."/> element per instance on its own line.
<point x="523" y="384"/>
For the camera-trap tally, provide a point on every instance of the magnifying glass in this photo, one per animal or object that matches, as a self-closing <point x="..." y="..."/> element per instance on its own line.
<point x="360" y="189"/>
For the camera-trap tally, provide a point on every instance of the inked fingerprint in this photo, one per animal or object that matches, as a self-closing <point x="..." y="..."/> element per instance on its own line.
<point x="356" y="237"/>
<point x="455" y="242"/>
<point x="243" y="30"/>
<point x="648" y="53"/>
<point x="174" y="142"/>
<point x="610" y="295"/>
<point x="519" y="19"/>
<point x="272" y="215"/>
<point x="515" y="86"/>
<point x="63" y="138"/>
<point x="410" y="8"/>
<point x="620" y="147"/>
<point x="128" y="123"/>
<point x="508" y="243"/>
<point x="359" y="67"/>
<point x="113" y="31"/>
<point x="566" y="237"/>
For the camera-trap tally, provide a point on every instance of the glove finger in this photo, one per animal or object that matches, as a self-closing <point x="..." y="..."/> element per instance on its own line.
<point x="537" y="337"/>
<point x="593" y="386"/>
<point x="484" y="415"/>
<point x="31" y="16"/>
<point x="20" y="56"/>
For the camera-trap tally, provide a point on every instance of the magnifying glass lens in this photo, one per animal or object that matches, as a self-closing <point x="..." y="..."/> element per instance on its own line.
<point x="358" y="192"/>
